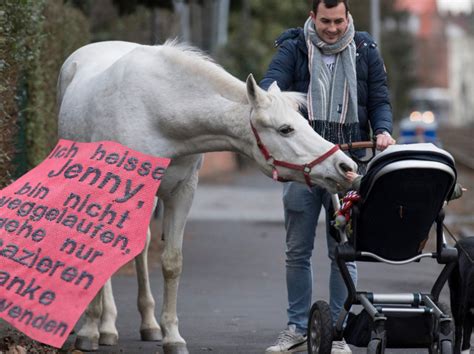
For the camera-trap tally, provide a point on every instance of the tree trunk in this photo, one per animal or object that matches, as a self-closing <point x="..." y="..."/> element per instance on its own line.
<point x="182" y="12"/>
<point x="196" y="23"/>
<point x="209" y="26"/>
<point x="222" y="22"/>
<point x="164" y="25"/>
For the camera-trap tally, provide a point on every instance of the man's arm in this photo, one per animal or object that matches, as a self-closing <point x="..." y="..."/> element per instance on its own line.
<point x="379" y="107"/>
<point x="281" y="68"/>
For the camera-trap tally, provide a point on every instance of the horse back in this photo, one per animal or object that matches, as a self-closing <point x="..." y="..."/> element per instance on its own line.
<point x="90" y="60"/>
<point x="89" y="90"/>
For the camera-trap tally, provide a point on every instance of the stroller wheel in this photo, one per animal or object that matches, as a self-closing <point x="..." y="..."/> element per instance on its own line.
<point x="374" y="347"/>
<point x="446" y="347"/>
<point x="320" y="329"/>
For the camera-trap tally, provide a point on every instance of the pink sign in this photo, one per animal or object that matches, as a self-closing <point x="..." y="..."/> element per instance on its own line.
<point x="66" y="226"/>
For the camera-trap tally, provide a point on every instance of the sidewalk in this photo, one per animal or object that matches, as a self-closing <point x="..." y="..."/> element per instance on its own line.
<point x="237" y="203"/>
<point x="249" y="196"/>
<point x="245" y="196"/>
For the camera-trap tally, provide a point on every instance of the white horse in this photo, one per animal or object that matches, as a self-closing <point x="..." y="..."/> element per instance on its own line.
<point x="173" y="101"/>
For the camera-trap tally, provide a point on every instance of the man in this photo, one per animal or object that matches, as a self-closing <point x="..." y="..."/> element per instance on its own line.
<point x="345" y="79"/>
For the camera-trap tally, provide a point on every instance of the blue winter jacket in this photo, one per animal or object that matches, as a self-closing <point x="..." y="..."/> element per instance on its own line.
<point x="289" y="68"/>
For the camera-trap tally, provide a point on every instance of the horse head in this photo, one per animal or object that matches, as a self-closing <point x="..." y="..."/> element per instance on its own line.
<point x="287" y="147"/>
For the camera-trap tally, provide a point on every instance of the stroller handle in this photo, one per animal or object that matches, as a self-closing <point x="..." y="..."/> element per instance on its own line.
<point x="350" y="147"/>
<point x="358" y="145"/>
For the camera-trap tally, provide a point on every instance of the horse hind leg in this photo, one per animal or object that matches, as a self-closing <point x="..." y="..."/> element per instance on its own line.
<point x="149" y="328"/>
<point x="108" y="330"/>
<point x="88" y="336"/>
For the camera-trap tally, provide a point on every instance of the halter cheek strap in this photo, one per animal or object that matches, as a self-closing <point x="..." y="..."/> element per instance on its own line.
<point x="305" y="168"/>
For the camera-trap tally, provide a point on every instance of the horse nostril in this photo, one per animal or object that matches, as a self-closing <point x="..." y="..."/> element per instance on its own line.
<point x="345" y="167"/>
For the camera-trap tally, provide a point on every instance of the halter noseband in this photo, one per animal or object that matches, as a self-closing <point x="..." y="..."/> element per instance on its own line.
<point x="306" y="168"/>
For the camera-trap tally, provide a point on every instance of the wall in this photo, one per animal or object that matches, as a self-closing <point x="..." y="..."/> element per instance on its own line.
<point x="461" y="79"/>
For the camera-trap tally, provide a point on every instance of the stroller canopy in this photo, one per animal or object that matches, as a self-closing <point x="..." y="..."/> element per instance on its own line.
<point x="402" y="193"/>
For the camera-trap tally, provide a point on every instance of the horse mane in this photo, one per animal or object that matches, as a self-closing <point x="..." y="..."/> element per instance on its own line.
<point x="296" y="99"/>
<point x="185" y="47"/>
<point x="201" y="64"/>
<point x="223" y="82"/>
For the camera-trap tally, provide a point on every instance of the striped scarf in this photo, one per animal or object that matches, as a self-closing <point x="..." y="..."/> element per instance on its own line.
<point x="332" y="97"/>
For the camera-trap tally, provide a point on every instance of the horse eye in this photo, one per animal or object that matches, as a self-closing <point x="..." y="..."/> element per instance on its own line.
<point x="285" y="130"/>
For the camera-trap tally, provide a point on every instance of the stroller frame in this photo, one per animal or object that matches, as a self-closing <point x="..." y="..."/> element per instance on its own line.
<point x="398" y="303"/>
<point x="381" y="306"/>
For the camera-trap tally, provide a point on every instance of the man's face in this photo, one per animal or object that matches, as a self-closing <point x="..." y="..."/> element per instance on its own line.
<point x="331" y="24"/>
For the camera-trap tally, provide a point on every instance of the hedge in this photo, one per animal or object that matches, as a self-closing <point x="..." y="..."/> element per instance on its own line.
<point x="20" y="23"/>
<point x="64" y="30"/>
<point x="35" y="38"/>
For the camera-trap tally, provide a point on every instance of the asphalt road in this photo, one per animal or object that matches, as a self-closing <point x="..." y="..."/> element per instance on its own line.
<point x="232" y="295"/>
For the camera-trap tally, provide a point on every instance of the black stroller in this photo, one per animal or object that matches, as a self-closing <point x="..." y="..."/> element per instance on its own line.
<point x="405" y="187"/>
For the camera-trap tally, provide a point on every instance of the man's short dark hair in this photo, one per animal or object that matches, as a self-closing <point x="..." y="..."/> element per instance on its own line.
<point x="329" y="4"/>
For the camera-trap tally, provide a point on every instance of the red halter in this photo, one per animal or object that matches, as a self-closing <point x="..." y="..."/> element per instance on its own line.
<point x="306" y="168"/>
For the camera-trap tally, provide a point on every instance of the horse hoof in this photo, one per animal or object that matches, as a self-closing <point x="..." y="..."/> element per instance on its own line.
<point x="175" y="349"/>
<point x="86" y="344"/>
<point x="108" y="339"/>
<point x="151" y="335"/>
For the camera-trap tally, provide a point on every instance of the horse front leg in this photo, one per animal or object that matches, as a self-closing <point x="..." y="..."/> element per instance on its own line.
<point x="149" y="328"/>
<point x="108" y="330"/>
<point x="88" y="336"/>
<point x="175" y="214"/>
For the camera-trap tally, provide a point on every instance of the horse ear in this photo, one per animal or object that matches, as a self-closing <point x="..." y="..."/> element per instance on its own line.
<point x="256" y="96"/>
<point x="274" y="87"/>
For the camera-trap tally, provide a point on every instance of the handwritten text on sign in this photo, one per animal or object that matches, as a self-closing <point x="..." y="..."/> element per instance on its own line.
<point x="66" y="226"/>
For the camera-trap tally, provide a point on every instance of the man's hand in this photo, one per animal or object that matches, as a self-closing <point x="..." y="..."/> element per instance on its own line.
<point x="384" y="140"/>
<point x="351" y="176"/>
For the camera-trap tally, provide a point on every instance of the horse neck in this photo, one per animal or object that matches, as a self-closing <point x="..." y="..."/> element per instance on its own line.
<point x="218" y="114"/>
<point x="225" y="127"/>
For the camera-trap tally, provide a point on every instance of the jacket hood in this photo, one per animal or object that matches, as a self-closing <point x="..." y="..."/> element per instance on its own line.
<point x="296" y="34"/>
<point x="291" y="33"/>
